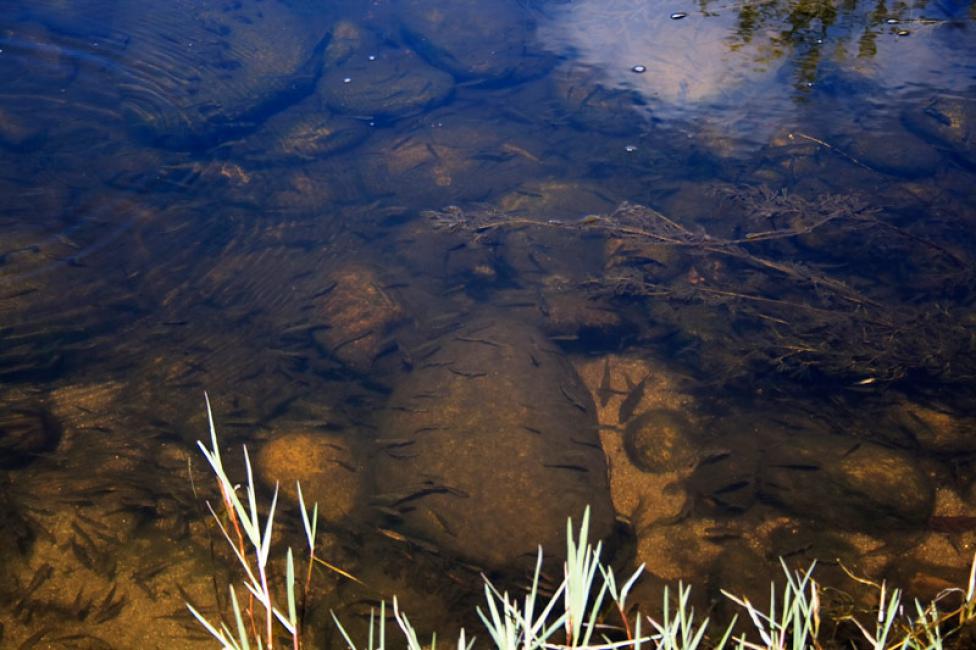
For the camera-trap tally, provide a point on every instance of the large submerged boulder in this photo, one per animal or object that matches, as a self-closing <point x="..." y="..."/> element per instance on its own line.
<point x="932" y="427"/>
<point x="481" y="40"/>
<point x="895" y="151"/>
<point x="846" y="482"/>
<point x="202" y="72"/>
<point x="304" y="132"/>
<point x="489" y="444"/>
<point x="367" y="78"/>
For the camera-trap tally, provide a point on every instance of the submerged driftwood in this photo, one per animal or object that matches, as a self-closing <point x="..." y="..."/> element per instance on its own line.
<point x="826" y="289"/>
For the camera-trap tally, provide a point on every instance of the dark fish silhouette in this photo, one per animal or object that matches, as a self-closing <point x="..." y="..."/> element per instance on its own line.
<point x="606" y="390"/>
<point x="633" y="399"/>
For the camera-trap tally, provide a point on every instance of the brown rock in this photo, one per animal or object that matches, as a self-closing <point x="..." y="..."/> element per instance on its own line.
<point x="556" y="200"/>
<point x="570" y="313"/>
<point x="304" y="132"/>
<point x="458" y="160"/>
<point x="725" y="480"/>
<point x="475" y="39"/>
<point x="846" y="482"/>
<point x="359" y="315"/>
<point x="592" y="106"/>
<point x="233" y="66"/>
<point x="950" y="121"/>
<point x="327" y="466"/>
<point x="659" y="261"/>
<point x="895" y="152"/>
<point x="661" y="440"/>
<point x="934" y="429"/>
<point x="490" y="444"/>
<point x="26" y="431"/>
<point x="646" y="499"/>
<point x="384" y="83"/>
<point x="681" y="550"/>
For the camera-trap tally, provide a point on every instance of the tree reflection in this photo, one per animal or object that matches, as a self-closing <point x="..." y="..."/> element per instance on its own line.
<point x="811" y="32"/>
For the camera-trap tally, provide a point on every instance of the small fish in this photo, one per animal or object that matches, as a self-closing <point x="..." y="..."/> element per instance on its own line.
<point x="573" y="468"/>
<point x="633" y="399"/>
<point x="519" y="151"/>
<point x="40" y="577"/>
<point x="443" y="523"/>
<point x="395" y="442"/>
<point x="109" y="608"/>
<point x="732" y="487"/>
<point x="714" y="456"/>
<point x="483" y="341"/>
<point x="606" y="390"/>
<point x="717" y="534"/>
<point x="467" y="374"/>
<point x="572" y="400"/>
<point x="399" y="537"/>
<point x="34" y="639"/>
<point x="389" y="512"/>
<point x="83" y="556"/>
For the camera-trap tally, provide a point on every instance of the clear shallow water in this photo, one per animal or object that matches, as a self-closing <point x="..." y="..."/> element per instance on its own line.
<point x="232" y="197"/>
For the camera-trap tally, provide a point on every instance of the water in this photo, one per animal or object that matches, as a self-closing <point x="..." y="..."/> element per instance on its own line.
<point x="385" y="238"/>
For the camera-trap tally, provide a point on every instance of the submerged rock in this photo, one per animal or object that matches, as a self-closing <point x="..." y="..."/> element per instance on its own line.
<point x="593" y="106"/>
<point x="358" y="316"/>
<point x="395" y="83"/>
<point x="457" y="160"/>
<point x="304" y="132"/>
<point x="565" y="199"/>
<point x="934" y="429"/>
<point x="623" y="387"/>
<point x="950" y="121"/>
<point x="368" y="79"/>
<point x="846" y="482"/>
<point x="489" y="444"/>
<point x="570" y="314"/>
<point x="661" y="440"/>
<point x="896" y="152"/>
<point x="485" y="40"/>
<point x="26" y="432"/>
<point x="327" y="466"/>
<point x="204" y="72"/>
<point x="726" y="481"/>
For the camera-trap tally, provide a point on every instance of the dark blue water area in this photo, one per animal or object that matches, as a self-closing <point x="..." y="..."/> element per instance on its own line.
<point x="465" y="268"/>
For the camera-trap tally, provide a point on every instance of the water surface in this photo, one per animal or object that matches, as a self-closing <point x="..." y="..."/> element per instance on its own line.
<point x="464" y="267"/>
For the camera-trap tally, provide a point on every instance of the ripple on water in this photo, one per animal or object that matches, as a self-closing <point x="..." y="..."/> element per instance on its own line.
<point x="197" y="73"/>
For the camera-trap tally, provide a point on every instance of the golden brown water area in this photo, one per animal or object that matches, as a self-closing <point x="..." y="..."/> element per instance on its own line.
<point x="465" y="268"/>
